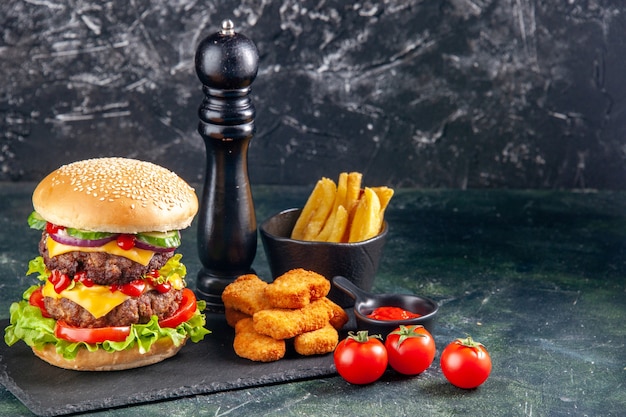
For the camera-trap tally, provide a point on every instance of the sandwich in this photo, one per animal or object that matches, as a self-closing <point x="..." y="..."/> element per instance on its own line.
<point x="111" y="291"/>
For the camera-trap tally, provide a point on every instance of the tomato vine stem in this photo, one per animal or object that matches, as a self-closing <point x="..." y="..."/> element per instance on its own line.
<point x="407" y="332"/>
<point x="363" y="336"/>
<point x="469" y="342"/>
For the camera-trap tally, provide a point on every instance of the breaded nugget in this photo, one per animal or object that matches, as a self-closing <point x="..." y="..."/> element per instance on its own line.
<point x="317" y="342"/>
<point x="281" y="323"/>
<point x="254" y="346"/>
<point x="339" y="317"/>
<point x="246" y="294"/>
<point x="297" y="288"/>
<point x="233" y="316"/>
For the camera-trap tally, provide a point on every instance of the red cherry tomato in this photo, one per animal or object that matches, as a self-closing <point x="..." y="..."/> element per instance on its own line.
<point x="465" y="363"/>
<point x="186" y="309"/>
<point x="411" y="349"/>
<point x="126" y="242"/>
<point x="360" y="358"/>
<point x="36" y="299"/>
<point x="63" y="330"/>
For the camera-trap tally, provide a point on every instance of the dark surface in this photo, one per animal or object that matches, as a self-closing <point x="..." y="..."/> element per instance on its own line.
<point x="413" y="93"/>
<point x="51" y="391"/>
<point x="538" y="277"/>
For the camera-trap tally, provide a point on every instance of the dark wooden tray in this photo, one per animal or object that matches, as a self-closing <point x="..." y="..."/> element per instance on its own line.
<point x="199" y="368"/>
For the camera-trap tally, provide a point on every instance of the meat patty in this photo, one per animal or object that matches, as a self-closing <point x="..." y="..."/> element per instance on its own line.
<point x="132" y="311"/>
<point x="102" y="268"/>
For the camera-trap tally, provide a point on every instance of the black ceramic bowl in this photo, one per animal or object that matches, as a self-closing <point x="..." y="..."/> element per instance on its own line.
<point x="356" y="261"/>
<point x="365" y="303"/>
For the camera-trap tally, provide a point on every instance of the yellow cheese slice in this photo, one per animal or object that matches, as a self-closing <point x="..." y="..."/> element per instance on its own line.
<point x="177" y="282"/>
<point x="99" y="300"/>
<point x="141" y="256"/>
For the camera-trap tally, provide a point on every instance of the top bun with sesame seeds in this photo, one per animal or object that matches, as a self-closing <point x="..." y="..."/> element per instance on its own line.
<point x="116" y="195"/>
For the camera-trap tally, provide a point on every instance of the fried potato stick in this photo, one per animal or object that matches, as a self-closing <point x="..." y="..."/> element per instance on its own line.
<point x="339" y="226"/>
<point x="281" y="323"/>
<point x="384" y="195"/>
<point x="254" y="346"/>
<point x="367" y="221"/>
<point x="296" y="288"/>
<point x="315" y="211"/>
<point x="246" y="294"/>
<point x="317" y="342"/>
<point x="353" y="194"/>
<point x="353" y="190"/>
<point x="338" y="210"/>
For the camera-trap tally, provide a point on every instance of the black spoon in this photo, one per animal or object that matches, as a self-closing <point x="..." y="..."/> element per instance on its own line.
<point x="365" y="303"/>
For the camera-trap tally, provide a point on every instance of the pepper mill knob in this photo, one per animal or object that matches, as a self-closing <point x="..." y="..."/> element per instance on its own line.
<point x="226" y="64"/>
<point x="227" y="60"/>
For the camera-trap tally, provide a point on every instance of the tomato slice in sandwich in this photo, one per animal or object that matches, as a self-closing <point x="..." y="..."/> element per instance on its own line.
<point x="185" y="310"/>
<point x="62" y="330"/>
<point x="36" y="300"/>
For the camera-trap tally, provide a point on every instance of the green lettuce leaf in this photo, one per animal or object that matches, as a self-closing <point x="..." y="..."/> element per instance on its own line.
<point x="172" y="268"/>
<point x="29" y="325"/>
<point x="35" y="221"/>
<point x="37" y="266"/>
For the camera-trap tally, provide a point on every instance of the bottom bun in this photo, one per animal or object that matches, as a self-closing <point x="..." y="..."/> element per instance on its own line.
<point x="101" y="360"/>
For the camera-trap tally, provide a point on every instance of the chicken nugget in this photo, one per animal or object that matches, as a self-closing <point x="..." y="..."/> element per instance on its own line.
<point x="246" y="294"/>
<point x="339" y="317"/>
<point x="296" y="288"/>
<point x="317" y="342"/>
<point x="281" y="323"/>
<point x="254" y="346"/>
<point x="233" y="316"/>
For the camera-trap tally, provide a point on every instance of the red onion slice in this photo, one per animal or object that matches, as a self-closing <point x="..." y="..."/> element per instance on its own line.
<point x="65" y="239"/>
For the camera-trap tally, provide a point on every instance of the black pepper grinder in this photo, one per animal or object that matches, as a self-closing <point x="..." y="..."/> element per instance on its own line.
<point x="226" y="64"/>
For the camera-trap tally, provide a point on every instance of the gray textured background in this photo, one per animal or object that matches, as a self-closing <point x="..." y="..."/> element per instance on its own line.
<point x="414" y="93"/>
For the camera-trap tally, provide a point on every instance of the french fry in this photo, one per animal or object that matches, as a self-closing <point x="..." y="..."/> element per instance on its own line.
<point x="315" y="211"/>
<point x="324" y="207"/>
<point x="340" y="197"/>
<point x="366" y="222"/>
<point x="343" y="212"/>
<point x="353" y="191"/>
<point x="340" y="224"/>
<point x="353" y="194"/>
<point x="323" y="235"/>
<point x="384" y="195"/>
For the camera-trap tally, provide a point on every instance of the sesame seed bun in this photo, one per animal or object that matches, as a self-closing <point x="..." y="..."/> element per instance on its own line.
<point x="116" y="195"/>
